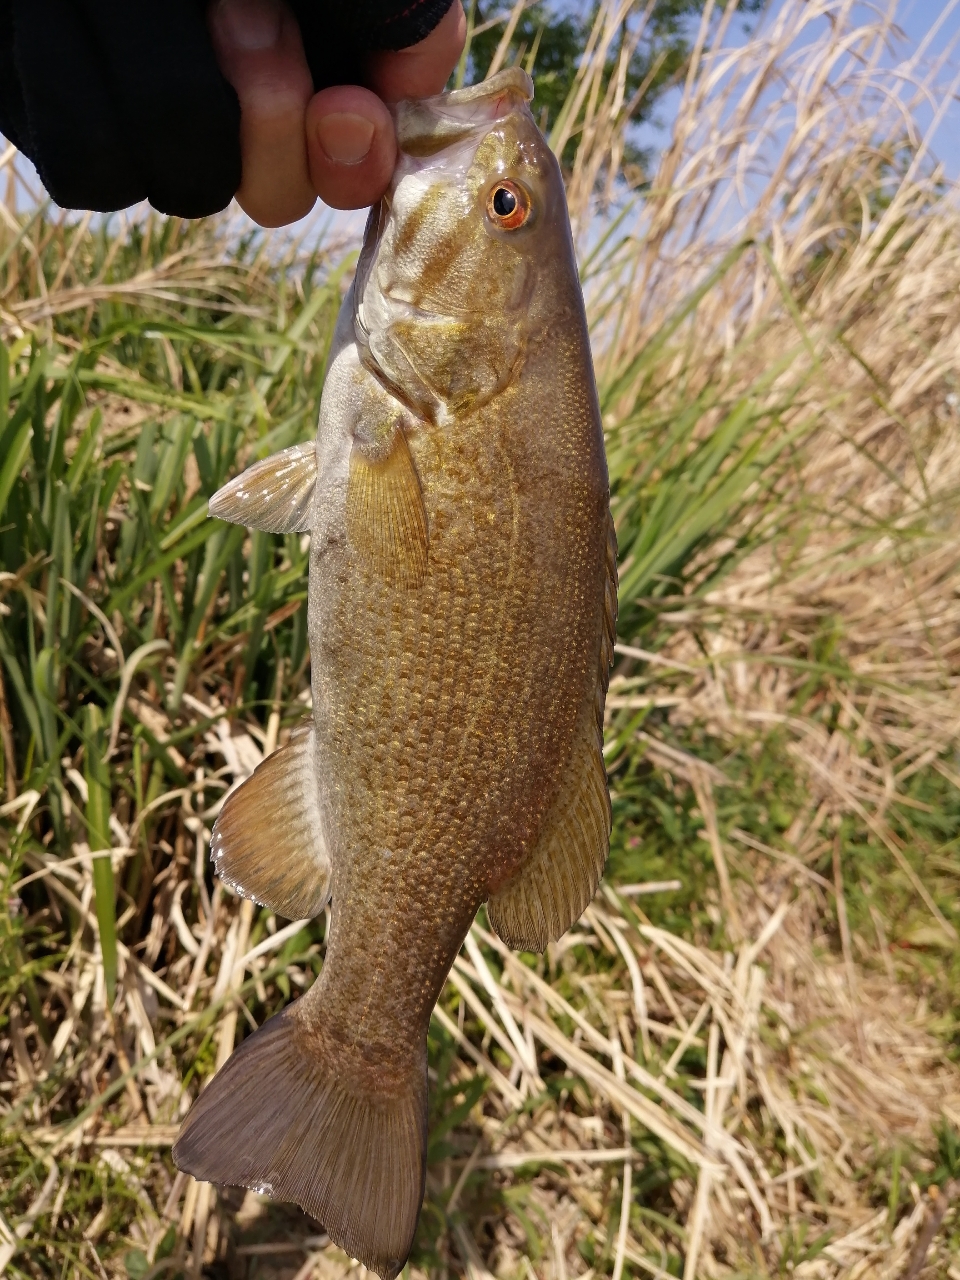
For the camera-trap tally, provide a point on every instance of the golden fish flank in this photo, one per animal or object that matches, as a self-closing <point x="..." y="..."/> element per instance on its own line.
<point x="462" y="610"/>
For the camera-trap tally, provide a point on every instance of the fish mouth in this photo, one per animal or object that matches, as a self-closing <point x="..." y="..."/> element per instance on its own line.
<point x="377" y="221"/>
<point x="453" y="122"/>
<point x="443" y="133"/>
<point x="428" y="125"/>
<point x="509" y="80"/>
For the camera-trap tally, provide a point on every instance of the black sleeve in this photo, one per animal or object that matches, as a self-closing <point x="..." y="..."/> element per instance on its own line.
<point x="117" y="101"/>
<point x="336" y="35"/>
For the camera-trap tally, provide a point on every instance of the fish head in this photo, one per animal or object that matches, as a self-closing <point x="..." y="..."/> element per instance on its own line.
<point x="458" y="257"/>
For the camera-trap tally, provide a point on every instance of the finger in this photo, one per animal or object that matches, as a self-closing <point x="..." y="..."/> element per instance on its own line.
<point x="423" y="69"/>
<point x="258" y="46"/>
<point x="351" y="145"/>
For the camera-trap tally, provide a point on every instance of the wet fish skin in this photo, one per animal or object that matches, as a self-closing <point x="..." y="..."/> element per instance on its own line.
<point x="461" y="614"/>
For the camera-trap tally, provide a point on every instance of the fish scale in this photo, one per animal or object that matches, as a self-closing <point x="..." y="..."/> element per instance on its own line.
<point x="462" y="604"/>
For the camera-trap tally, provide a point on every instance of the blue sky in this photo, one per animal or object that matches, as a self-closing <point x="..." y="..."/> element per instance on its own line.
<point x="915" y="19"/>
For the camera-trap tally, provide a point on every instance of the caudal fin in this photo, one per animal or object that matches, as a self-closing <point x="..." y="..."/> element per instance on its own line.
<point x="279" y="1120"/>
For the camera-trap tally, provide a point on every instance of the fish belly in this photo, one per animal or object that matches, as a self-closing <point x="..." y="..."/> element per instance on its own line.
<point x="445" y="713"/>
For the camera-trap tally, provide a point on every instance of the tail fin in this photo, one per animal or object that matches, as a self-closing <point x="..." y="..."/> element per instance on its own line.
<point x="277" y="1119"/>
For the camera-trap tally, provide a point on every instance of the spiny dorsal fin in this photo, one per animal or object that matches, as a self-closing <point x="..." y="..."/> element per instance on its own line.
<point x="275" y="495"/>
<point x="268" y="840"/>
<point x="386" y="518"/>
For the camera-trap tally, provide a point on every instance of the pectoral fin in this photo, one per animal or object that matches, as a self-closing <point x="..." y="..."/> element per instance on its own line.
<point x="386" y="518"/>
<point x="275" y="495"/>
<point x="268" y="840"/>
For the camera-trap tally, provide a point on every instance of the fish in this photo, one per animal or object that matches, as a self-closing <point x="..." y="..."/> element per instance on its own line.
<point x="462" y="606"/>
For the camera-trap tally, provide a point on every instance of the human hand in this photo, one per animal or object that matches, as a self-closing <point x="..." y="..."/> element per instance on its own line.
<point x="338" y="144"/>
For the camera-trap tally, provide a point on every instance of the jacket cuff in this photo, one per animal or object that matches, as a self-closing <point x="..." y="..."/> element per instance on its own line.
<point x="398" y="25"/>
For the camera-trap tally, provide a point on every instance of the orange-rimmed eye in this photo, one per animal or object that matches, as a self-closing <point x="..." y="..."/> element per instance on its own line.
<point x="508" y="205"/>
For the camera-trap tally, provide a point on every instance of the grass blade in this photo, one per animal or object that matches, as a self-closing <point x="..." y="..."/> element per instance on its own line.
<point x="97" y="774"/>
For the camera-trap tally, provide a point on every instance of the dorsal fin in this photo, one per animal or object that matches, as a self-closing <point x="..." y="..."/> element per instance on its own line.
<point x="560" y="876"/>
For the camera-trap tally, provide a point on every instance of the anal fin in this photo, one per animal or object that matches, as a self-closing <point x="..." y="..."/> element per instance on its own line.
<point x="275" y="495"/>
<point x="268" y="839"/>
<point x="386" y="517"/>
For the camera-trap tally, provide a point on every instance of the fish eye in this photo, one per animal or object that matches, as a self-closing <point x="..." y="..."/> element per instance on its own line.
<point x="508" y="205"/>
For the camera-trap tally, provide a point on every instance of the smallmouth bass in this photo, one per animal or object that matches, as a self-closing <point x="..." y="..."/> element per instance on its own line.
<point x="462" y="607"/>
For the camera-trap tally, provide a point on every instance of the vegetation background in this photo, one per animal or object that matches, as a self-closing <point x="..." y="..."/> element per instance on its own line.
<point x="745" y="1058"/>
